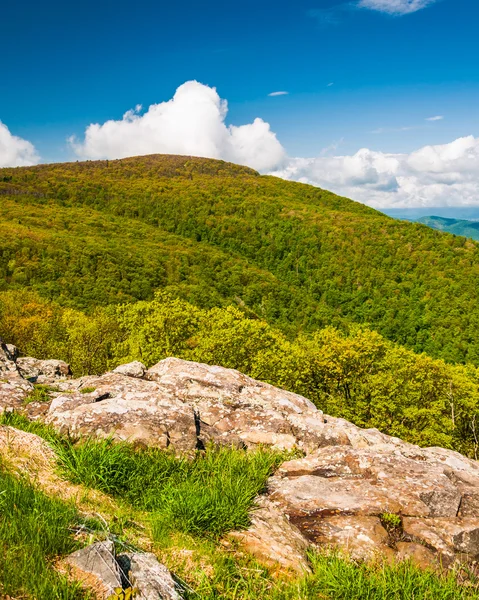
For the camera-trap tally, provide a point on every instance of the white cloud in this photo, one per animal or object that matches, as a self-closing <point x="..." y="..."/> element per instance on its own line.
<point x="395" y="7"/>
<point x="443" y="175"/>
<point x="436" y="118"/>
<point x="278" y="94"/>
<point x="330" y="84"/>
<point x="191" y="123"/>
<point x="15" y="151"/>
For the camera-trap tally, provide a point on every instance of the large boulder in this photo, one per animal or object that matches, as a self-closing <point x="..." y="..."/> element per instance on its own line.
<point x="391" y="499"/>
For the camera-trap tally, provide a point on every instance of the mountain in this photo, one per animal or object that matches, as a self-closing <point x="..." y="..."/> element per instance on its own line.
<point x="468" y="229"/>
<point x="464" y="213"/>
<point x="108" y="232"/>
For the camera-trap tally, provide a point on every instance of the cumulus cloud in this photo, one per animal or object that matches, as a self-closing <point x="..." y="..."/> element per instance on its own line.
<point x="442" y="175"/>
<point x="436" y="118"/>
<point x="15" y="151"/>
<point x="191" y="123"/>
<point x="278" y="94"/>
<point x="395" y="7"/>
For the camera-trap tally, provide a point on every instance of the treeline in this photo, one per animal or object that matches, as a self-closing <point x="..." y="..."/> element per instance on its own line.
<point x="323" y="259"/>
<point x="358" y="375"/>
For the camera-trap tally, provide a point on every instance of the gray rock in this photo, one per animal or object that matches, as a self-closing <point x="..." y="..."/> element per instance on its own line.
<point x="8" y="366"/>
<point x="152" y="579"/>
<point x="99" y="560"/>
<point x="133" y="369"/>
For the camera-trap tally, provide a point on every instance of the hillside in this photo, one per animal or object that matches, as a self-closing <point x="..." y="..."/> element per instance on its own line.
<point x="96" y="233"/>
<point x="468" y="229"/>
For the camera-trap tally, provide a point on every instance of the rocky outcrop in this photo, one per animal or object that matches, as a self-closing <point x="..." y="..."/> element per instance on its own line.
<point x="360" y="490"/>
<point x="47" y="372"/>
<point x="185" y="405"/>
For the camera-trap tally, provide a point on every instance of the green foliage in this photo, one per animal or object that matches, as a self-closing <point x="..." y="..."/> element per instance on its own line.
<point x="123" y="594"/>
<point x="91" y="234"/>
<point x="358" y="375"/>
<point x="155" y="330"/>
<point x="390" y="520"/>
<point x="209" y="494"/>
<point x="34" y="530"/>
<point x="44" y="329"/>
<point x="87" y="390"/>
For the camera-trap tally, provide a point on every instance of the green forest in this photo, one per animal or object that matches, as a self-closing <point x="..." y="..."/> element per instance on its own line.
<point x="109" y="232"/>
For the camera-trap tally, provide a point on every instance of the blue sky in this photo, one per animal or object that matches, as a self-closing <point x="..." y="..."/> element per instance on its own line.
<point x="65" y="66"/>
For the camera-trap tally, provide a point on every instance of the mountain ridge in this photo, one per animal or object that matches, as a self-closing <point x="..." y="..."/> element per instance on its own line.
<point x="313" y="258"/>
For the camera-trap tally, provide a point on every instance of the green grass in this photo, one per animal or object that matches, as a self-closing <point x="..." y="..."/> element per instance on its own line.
<point x="19" y="421"/>
<point x="209" y="494"/>
<point x="34" y="530"/>
<point x="40" y="393"/>
<point x="333" y="577"/>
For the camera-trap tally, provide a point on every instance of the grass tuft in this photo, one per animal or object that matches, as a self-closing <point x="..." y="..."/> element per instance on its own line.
<point x="207" y="495"/>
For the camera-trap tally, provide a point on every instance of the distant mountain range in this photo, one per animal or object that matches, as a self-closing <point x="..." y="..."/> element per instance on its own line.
<point x="457" y="220"/>
<point x="468" y="229"/>
<point x="464" y="213"/>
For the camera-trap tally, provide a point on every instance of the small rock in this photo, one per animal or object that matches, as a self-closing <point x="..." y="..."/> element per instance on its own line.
<point x="99" y="560"/>
<point x="133" y="369"/>
<point x="152" y="579"/>
<point x="13" y="351"/>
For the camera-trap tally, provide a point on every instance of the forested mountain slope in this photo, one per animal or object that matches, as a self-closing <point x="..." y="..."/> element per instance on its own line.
<point x="300" y="257"/>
